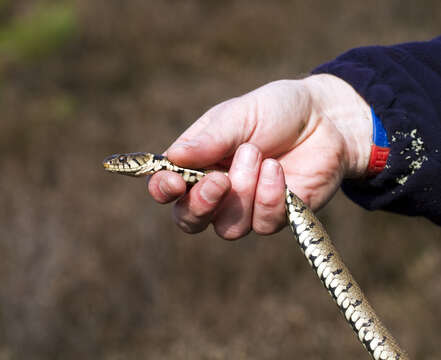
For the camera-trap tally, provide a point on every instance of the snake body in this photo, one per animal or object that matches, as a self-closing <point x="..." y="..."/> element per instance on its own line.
<point x="315" y="245"/>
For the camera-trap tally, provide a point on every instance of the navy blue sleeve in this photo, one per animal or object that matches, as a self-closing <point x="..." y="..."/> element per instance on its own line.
<point x="403" y="84"/>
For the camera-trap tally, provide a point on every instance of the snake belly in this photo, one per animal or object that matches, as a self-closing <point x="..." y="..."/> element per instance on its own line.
<point x="337" y="279"/>
<point x="315" y="245"/>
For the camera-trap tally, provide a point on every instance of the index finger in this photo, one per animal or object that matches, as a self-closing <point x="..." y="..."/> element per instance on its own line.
<point x="198" y="126"/>
<point x="215" y="136"/>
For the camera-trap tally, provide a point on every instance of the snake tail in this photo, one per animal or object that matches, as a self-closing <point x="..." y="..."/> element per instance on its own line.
<point x="325" y="260"/>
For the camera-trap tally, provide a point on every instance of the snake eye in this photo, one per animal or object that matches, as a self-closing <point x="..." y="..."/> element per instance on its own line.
<point x="122" y="158"/>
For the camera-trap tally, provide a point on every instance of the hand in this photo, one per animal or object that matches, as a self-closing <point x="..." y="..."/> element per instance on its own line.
<point x="309" y="133"/>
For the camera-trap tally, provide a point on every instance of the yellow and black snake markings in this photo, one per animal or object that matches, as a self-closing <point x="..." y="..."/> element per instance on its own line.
<point x="314" y="243"/>
<point x="324" y="259"/>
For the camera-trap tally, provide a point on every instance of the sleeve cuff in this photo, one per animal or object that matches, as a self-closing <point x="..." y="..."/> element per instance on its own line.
<point x="381" y="76"/>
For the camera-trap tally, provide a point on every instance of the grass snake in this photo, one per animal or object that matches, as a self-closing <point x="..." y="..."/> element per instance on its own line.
<point x="315" y="245"/>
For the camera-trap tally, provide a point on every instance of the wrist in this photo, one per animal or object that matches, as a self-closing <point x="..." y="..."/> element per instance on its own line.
<point x="338" y="102"/>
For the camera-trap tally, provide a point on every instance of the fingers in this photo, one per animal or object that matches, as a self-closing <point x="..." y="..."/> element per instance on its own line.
<point x="194" y="211"/>
<point x="252" y="197"/>
<point x="235" y="215"/>
<point x="166" y="186"/>
<point x="269" y="204"/>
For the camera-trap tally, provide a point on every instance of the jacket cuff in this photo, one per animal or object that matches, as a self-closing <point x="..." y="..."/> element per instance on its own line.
<point x="390" y="80"/>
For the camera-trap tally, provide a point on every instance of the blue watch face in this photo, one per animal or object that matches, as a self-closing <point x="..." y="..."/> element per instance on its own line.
<point x="379" y="135"/>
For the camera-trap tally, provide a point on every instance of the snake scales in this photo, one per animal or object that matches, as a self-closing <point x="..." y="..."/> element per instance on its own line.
<point x="315" y="244"/>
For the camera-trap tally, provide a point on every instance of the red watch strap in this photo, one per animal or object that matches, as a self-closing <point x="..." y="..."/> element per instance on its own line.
<point x="380" y="147"/>
<point x="378" y="159"/>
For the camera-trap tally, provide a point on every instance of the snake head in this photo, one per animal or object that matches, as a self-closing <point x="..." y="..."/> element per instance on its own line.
<point x="131" y="164"/>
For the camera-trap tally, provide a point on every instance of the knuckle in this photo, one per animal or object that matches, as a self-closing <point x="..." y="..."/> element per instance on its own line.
<point x="265" y="224"/>
<point x="269" y="221"/>
<point x="267" y="202"/>
<point x="244" y="185"/>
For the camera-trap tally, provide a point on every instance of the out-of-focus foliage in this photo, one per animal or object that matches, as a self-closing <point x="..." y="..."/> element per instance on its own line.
<point x="4" y="4"/>
<point x="39" y="33"/>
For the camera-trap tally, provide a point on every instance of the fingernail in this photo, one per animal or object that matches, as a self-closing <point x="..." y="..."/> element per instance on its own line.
<point x="210" y="192"/>
<point x="247" y="157"/>
<point x="270" y="171"/>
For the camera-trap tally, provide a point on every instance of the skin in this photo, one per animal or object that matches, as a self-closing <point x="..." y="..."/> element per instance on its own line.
<point x="310" y="134"/>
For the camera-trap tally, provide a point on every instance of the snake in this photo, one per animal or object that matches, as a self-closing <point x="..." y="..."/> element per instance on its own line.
<point x="313" y="241"/>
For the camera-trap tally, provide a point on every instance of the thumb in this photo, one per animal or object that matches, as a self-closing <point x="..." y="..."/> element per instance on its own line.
<point x="215" y="135"/>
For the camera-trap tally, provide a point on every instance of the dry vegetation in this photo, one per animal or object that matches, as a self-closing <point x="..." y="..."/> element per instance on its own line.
<point x="91" y="268"/>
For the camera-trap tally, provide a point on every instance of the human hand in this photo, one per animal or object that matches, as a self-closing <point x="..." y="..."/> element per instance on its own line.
<point x="317" y="130"/>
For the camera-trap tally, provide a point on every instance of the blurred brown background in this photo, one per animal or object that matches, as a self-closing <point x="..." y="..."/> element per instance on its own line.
<point x="91" y="268"/>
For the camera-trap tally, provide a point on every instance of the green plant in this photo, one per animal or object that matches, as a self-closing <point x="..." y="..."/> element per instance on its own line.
<point x="38" y="34"/>
<point x="4" y="4"/>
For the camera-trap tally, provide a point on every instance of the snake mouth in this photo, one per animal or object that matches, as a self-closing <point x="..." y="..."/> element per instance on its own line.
<point x="124" y="164"/>
<point x="109" y="163"/>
